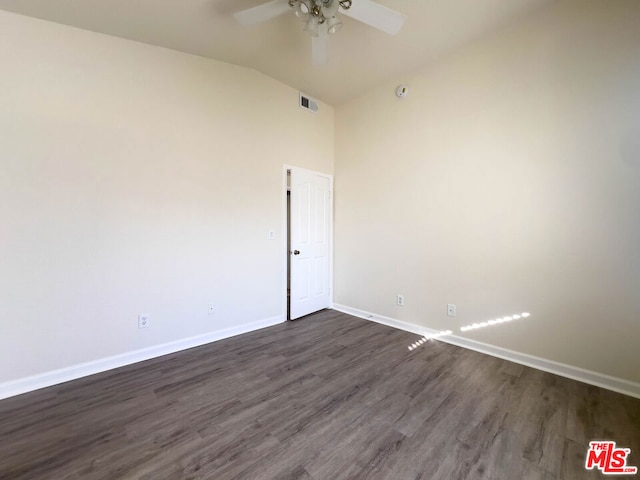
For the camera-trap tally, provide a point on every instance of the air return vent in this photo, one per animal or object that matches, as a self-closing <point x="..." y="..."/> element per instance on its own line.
<point x="308" y="103"/>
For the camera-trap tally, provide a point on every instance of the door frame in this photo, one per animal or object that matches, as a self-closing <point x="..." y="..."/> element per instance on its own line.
<point x="285" y="229"/>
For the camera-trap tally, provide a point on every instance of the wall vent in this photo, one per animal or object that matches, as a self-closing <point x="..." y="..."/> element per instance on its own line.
<point x="308" y="103"/>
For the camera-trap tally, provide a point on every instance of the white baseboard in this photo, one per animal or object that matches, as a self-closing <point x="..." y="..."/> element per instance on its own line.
<point x="54" y="377"/>
<point x="575" y="373"/>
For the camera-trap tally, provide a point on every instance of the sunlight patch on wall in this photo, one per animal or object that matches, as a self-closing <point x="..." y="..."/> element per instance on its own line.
<point x="497" y="321"/>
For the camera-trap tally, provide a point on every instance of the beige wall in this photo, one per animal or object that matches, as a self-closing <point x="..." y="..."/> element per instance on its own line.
<point x="507" y="181"/>
<point x="134" y="179"/>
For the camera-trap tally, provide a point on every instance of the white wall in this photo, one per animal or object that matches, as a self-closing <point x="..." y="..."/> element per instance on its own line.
<point x="136" y="179"/>
<point x="508" y="181"/>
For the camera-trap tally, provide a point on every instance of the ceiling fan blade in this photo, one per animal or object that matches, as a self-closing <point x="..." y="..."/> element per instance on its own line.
<point x="262" y="13"/>
<point x="376" y="15"/>
<point x="320" y="49"/>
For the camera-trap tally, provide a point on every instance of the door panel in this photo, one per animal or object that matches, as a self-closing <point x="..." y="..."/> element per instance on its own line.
<point x="310" y="236"/>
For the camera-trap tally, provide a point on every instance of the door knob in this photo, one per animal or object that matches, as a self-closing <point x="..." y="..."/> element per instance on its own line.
<point x="296" y="252"/>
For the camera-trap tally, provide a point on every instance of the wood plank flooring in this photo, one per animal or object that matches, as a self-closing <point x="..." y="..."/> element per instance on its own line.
<point x="327" y="397"/>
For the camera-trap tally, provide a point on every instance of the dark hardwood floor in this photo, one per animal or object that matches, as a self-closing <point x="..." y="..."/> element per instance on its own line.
<point x="327" y="397"/>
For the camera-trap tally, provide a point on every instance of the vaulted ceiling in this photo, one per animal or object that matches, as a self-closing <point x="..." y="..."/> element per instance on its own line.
<point x="360" y="57"/>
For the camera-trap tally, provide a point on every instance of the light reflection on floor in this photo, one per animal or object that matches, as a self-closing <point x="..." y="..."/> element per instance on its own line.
<point x="426" y="338"/>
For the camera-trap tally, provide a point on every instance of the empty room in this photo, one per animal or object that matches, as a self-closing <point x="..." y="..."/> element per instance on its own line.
<point x="319" y="239"/>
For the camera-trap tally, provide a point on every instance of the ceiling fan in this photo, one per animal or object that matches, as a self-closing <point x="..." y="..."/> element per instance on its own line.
<point x="321" y="18"/>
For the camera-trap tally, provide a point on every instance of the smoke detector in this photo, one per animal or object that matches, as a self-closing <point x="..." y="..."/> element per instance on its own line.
<point x="402" y="91"/>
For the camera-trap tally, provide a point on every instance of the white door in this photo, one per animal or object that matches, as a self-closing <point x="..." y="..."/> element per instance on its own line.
<point x="310" y="242"/>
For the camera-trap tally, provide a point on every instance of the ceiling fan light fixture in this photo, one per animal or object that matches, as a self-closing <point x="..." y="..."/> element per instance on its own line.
<point x="334" y="25"/>
<point x="312" y="25"/>
<point x="302" y="9"/>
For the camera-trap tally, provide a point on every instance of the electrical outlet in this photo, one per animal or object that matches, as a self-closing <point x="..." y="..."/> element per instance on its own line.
<point x="144" y="321"/>
<point x="211" y="309"/>
<point x="400" y="300"/>
<point x="451" y="310"/>
<point x="272" y="235"/>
